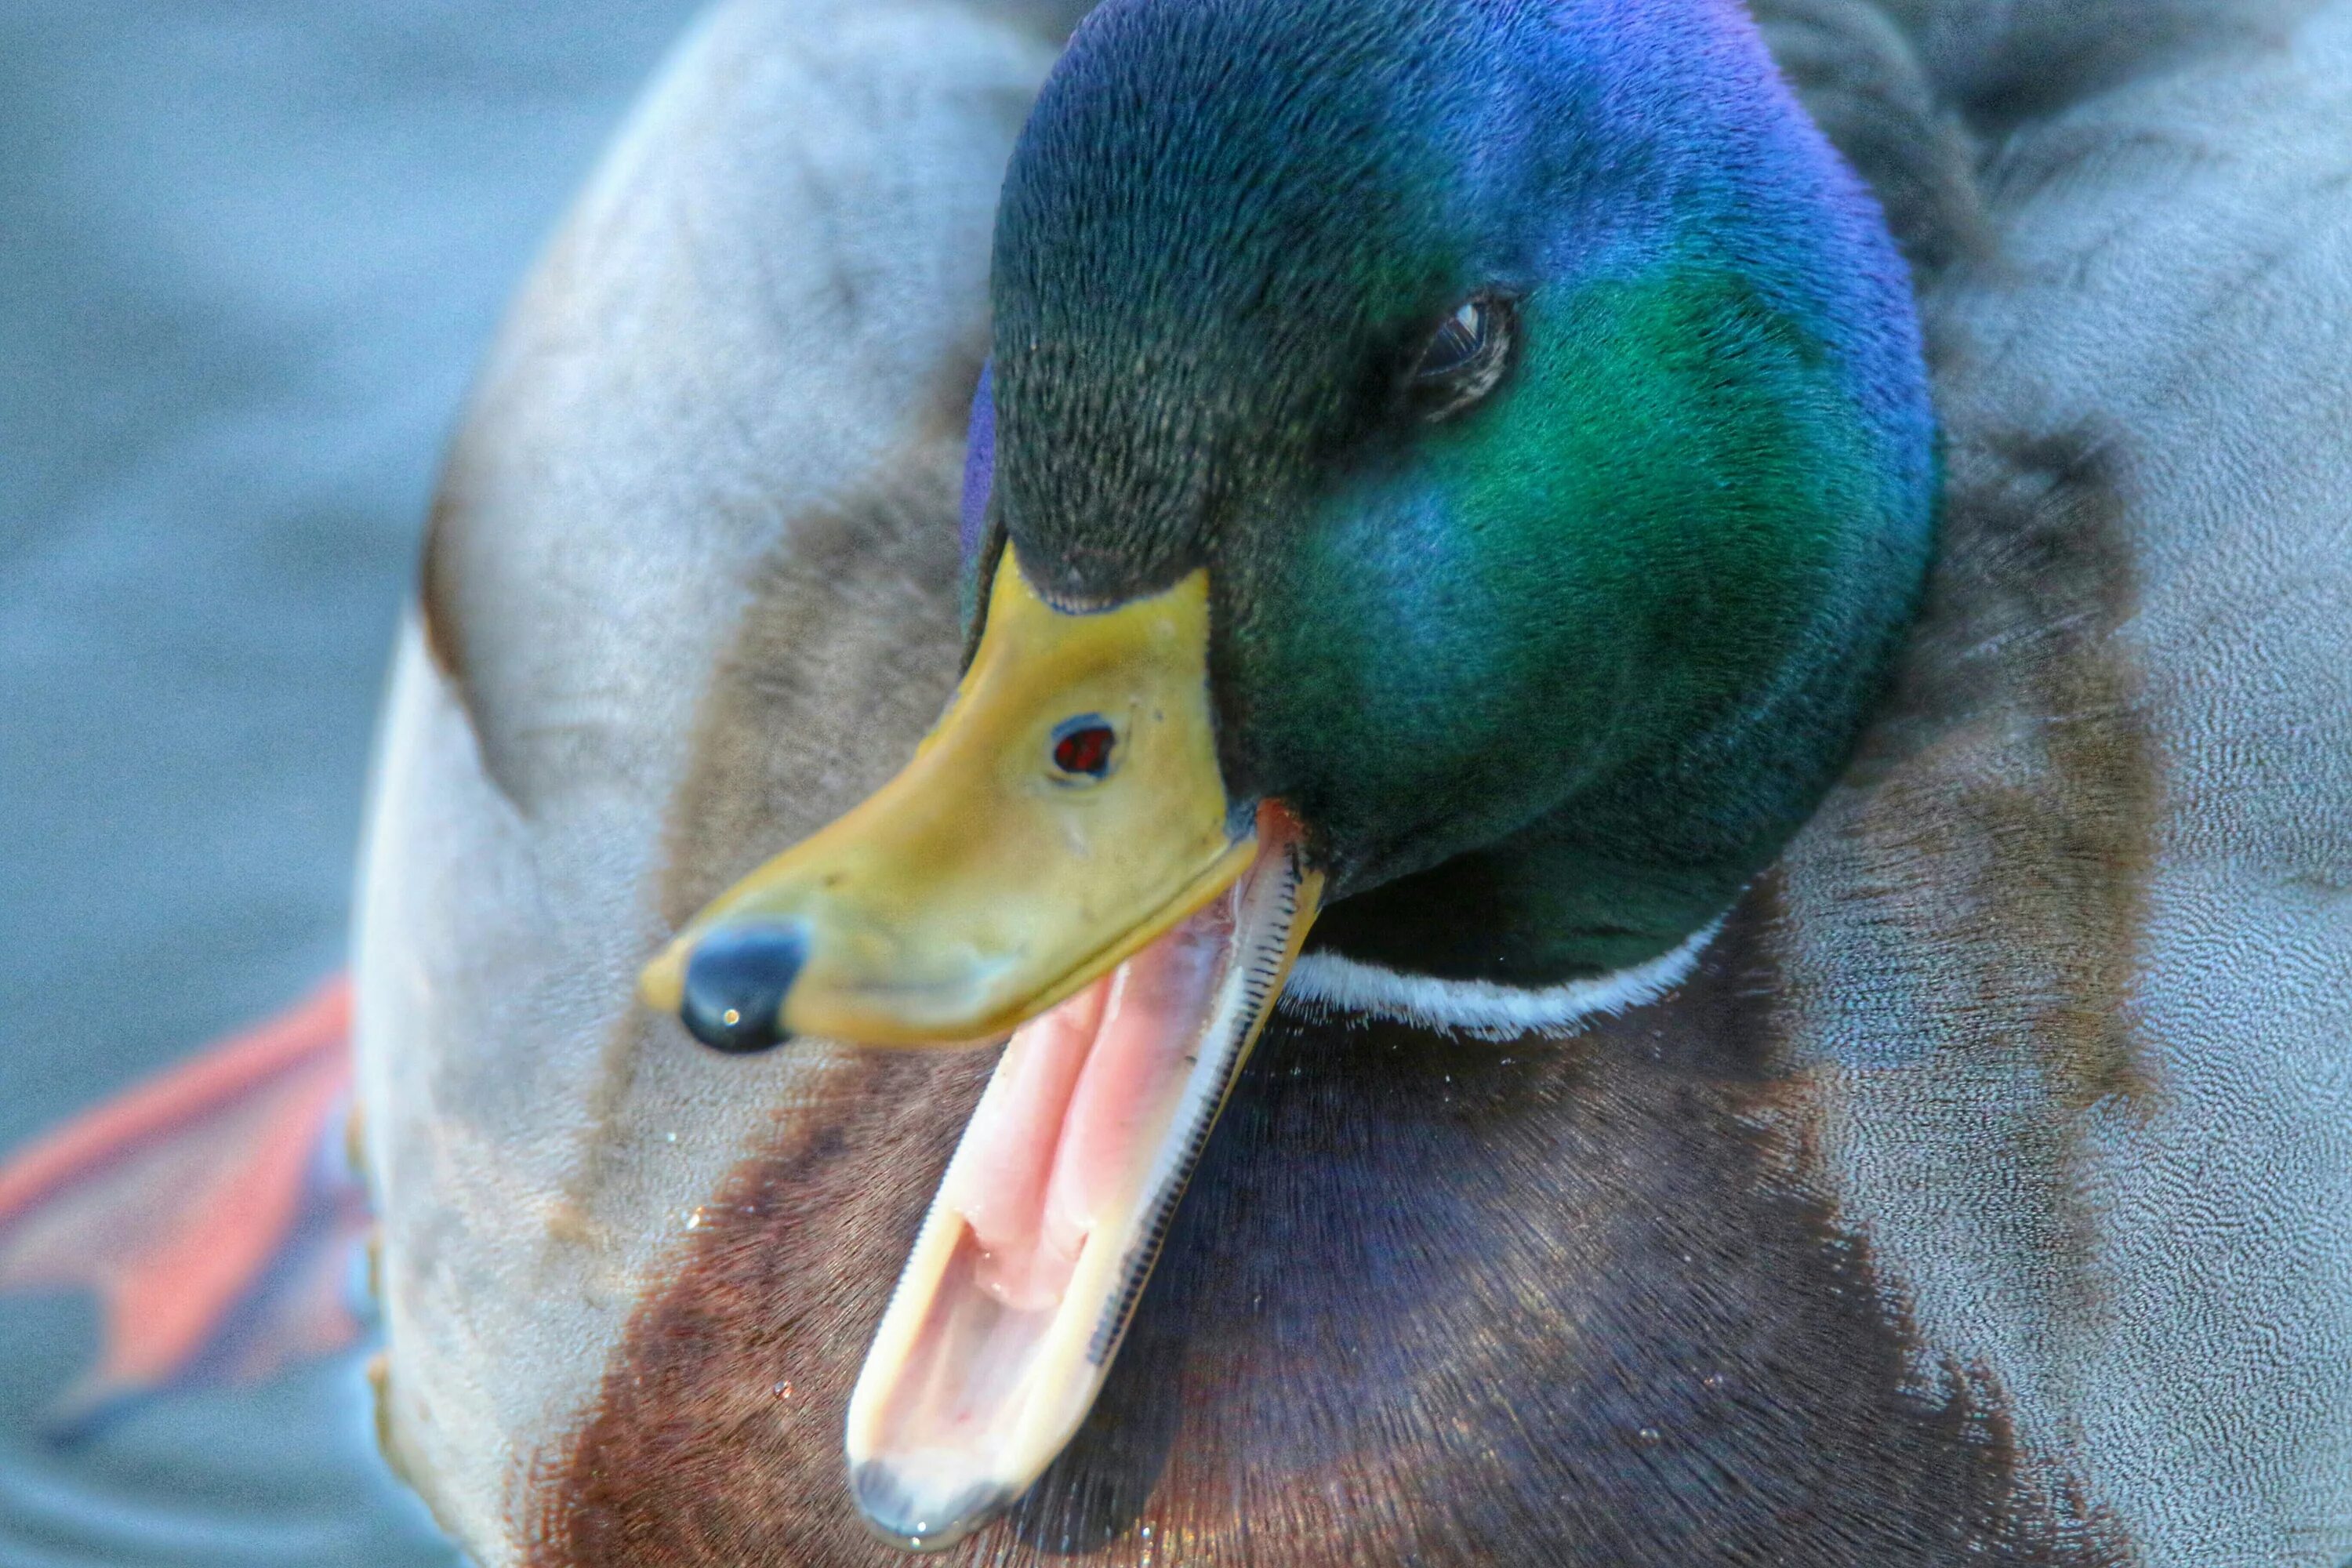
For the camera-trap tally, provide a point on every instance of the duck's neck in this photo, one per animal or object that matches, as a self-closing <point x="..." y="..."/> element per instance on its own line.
<point x="1538" y="910"/>
<point x="1622" y="881"/>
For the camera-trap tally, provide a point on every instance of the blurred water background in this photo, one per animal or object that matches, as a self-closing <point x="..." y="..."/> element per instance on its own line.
<point x="249" y="253"/>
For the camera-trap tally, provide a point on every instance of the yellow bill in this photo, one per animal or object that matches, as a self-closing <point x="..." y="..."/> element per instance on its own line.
<point x="1060" y="858"/>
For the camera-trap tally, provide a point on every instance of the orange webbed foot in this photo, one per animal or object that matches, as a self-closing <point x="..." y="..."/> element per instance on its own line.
<point x="211" y="1209"/>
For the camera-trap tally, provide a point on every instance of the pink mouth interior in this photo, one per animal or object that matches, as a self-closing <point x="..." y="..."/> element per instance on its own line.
<point x="1059" y="1152"/>
<point x="1017" y="1291"/>
<point x="1080" y="1101"/>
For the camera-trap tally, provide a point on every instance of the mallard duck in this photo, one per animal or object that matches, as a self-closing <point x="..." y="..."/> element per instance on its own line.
<point x="1791" y="1054"/>
<point x="1691" y="792"/>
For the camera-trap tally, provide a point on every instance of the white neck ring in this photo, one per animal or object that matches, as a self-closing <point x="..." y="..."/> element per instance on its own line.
<point x="1325" y="983"/>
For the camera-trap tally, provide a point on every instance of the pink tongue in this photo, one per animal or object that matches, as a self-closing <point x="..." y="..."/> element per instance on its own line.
<point x="1080" y="1101"/>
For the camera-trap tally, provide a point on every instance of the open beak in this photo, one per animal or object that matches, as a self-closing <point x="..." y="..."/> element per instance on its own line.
<point x="1059" y="859"/>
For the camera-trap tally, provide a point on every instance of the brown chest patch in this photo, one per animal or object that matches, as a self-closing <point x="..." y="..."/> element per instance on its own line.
<point x="1426" y="1302"/>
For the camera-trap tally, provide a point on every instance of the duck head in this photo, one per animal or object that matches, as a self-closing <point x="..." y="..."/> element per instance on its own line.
<point x="1452" y="479"/>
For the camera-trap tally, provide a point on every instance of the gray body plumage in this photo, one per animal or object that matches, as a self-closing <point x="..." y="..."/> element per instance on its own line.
<point x="2155" y="1269"/>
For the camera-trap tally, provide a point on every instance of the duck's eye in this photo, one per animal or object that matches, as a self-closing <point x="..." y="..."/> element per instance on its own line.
<point x="1464" y="358"/>
<point x="1082" y="748"/>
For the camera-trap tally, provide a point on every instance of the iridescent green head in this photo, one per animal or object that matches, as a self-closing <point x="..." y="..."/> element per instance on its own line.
<point x="1545" y="400"/>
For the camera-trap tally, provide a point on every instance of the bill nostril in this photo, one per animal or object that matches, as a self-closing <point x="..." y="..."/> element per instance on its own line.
<point x="1082" y="748"/>
<point x="736" y="982"/>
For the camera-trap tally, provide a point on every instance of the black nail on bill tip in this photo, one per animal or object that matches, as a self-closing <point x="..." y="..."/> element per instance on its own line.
<point x="736" y="982"/>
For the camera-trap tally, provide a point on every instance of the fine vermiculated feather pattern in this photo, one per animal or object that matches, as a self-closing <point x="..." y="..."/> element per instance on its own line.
<point x="2004" y="63"/>
<point x="2086" y="1093"/>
